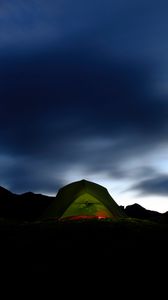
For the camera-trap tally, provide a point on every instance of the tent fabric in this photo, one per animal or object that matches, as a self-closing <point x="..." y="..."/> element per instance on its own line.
<point x="87" y="205"/>
<point x="69" y="193"/>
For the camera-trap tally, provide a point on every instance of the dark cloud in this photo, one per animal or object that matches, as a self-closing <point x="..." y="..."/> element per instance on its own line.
<point x="70" y="107"/>
<point x="142" y="172"/>
<point x="154" y="186"/>
<point x="87" y="101"/>
<point x="79" y="92"/>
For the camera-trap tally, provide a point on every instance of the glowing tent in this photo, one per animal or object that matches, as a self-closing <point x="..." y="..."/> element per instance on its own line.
<point x="83" y="199"/>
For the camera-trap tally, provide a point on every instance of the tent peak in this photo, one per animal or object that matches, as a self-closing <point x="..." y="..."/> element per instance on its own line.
<point x="84" y="181"/>
<point x="81" y="198"/>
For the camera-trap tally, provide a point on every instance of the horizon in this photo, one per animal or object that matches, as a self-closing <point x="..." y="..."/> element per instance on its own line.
<point x="84" y="94"/>
<point x="120" y="203"/>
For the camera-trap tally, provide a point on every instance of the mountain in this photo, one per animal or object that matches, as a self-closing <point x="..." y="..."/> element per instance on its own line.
<point x="4" y="192"/>
<point x="126" y="248"/>
<point x="26" y="207"/>
<point x="29" y="206"/>
<point x="139" y="212"/>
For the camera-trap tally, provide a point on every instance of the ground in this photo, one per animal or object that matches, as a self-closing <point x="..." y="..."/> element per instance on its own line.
<point x="55" y="246"/>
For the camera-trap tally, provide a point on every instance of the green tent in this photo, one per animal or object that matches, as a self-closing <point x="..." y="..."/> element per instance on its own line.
<point x="83" y="199"/>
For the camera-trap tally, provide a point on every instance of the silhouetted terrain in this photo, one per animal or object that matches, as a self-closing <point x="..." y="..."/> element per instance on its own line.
<point x="124" y="248"/>
<point x="137" y="211"/>
<point x="107" y="251"/>
<point x="29" y="206"/>
<point x="24" y="207"/>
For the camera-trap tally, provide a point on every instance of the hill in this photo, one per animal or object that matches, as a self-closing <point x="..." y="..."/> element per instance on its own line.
<point x="109" y="251"/>
<point x="24" y="207"/>
<point x="29" y="206"/>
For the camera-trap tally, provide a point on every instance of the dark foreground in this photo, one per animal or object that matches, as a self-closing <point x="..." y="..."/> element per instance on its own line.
<point x="83" y="260"/>
<point x="123" y="248"/>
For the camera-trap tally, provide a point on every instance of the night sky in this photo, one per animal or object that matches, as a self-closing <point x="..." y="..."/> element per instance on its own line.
<point x="84" y="94"/>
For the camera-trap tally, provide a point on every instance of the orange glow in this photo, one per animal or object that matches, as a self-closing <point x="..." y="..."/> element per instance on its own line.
<point x="102" y="215"/>
<point x="78" y="218"/>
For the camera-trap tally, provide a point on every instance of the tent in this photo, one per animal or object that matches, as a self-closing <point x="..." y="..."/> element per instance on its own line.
<point x="83" y="199"/>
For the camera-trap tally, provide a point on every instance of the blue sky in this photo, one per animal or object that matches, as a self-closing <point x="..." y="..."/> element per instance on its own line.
<point x="84" y="94"/>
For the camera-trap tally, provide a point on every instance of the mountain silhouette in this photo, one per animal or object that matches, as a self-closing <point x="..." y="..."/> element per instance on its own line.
<point x="4" y="192"/>
<point x="29" y="206"/>
<point x="139" y="212"/>
<point x="30" y="247"/>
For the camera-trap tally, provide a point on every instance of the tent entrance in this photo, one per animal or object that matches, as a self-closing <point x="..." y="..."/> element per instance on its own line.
<point x="87" y="205"/>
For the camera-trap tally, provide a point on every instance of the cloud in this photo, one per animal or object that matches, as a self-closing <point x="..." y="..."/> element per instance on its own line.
<point x="123" y="27"/>
<point x="157" y="185"/>
<point x="95" y="94"/>
<point x="86" y="103"/>
<point x="59" y="111"/>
